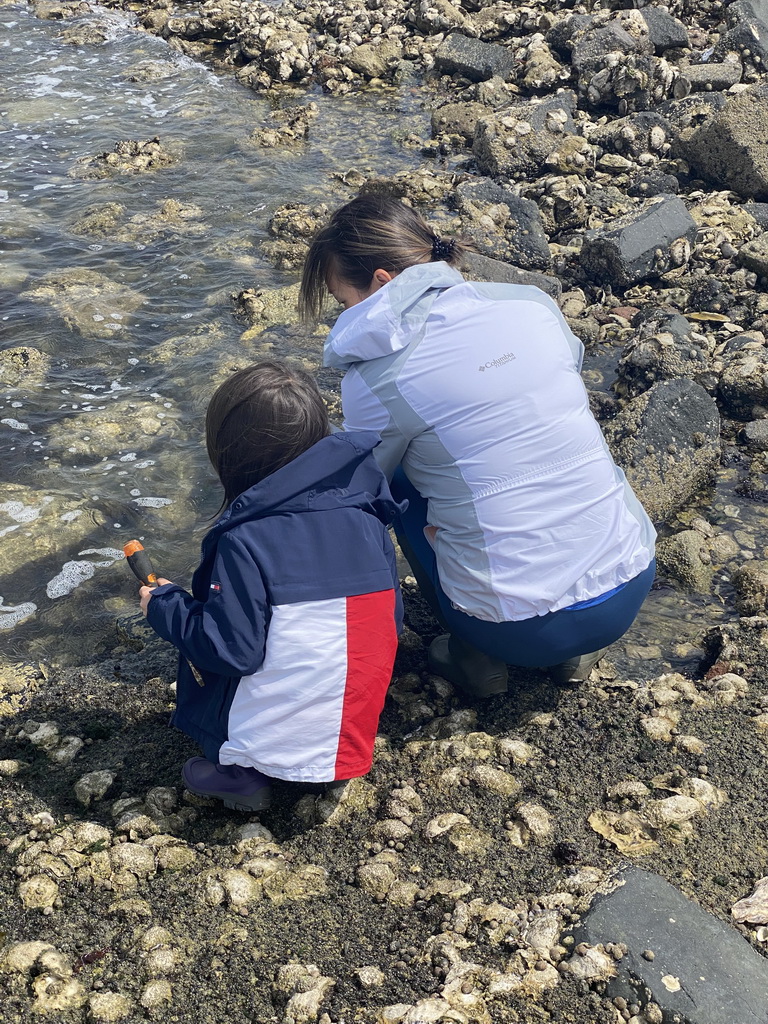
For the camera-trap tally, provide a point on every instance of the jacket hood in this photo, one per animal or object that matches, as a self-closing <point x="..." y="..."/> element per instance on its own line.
<point x="337" y="472"/>
<point x="386" y="321"/>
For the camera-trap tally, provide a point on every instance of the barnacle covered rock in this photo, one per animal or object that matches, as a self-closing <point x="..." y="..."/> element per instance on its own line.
<point x="516" y="141"/>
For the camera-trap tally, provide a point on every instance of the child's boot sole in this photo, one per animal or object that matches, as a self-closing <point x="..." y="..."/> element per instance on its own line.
<point x="260" y="801"/>
<point x="256" y="805"/>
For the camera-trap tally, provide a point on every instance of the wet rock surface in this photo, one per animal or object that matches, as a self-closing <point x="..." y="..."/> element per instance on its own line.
<point x="675" y="958"/>
<point x="616" y="158"/>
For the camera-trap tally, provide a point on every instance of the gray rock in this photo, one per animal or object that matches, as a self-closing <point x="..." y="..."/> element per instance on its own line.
<point x="458" y="119"/>
<point x="93" y="786"/>
<point x="433" y="16"/>
<point x="482" y="268"/>
<point x="692" y="110"/>
<point x="702" y="971"/>
<point x="668" y="443"/>
<point x="754" y="255"/>
<point x="654" y="183"/>
<point x="743" y="384"/>
<point x="664" y="31"/>
<point x="712" y="75"/>
<point x="682" y="558"/>
<point x="748" y="29"/>
<point x="517" y="140"/>
<point x="562" y="35"/>
<point x="640" y="245"/>
<point x="643" y="132"/>
<point x="760" y="213"/>
<point x="663" y="348"/>
<point x="730" y="148"/>
<point x="375" y="61"/>
<point x="472" y="58"/>
<point x="591" y="46"/>
<point x="502" y="225"/>
<point x="631" y="82"/>
<point x="755" y="435"/>
<point x="750" y="582"/>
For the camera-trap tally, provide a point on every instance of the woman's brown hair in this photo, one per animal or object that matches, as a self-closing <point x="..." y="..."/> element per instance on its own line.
<point x="260" y="419"/>
<point x="369" y="233"/>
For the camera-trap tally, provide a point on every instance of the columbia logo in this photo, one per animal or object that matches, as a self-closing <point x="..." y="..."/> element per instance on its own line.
<point x="493" y="363"/>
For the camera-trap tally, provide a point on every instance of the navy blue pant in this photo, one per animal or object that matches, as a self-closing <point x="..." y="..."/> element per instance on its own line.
<point x="532" y="643"/>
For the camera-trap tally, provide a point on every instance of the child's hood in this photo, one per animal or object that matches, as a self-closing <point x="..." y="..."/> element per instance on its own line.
<point x="337" y="472"/>
<point x="386" y="321"/>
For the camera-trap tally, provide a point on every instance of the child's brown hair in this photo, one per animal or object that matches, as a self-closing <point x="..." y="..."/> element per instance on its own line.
<point x="260" y="419"/>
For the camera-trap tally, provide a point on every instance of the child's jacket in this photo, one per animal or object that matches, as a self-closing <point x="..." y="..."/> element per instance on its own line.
<point x="293" y="619"/>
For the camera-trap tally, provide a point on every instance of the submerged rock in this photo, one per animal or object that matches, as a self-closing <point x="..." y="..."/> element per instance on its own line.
<point x="23" y="365"/>
<point x="685" y="559"/>
<point x="90" y="303"/>
<point x="128" y="157"/>
<point x="750" y="582"/>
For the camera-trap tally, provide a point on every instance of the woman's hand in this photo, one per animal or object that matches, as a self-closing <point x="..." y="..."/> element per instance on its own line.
<point x="145" y="594"/>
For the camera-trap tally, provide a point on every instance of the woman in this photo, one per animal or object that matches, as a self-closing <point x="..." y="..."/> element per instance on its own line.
<point x="524" y="536"/>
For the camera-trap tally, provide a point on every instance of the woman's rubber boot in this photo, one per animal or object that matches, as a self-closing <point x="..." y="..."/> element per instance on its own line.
<point x="471" y="671"/>
<point x="575" y="670"/>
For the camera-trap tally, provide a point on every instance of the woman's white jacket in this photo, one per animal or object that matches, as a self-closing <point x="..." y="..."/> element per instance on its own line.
<point x="475" y="389"/>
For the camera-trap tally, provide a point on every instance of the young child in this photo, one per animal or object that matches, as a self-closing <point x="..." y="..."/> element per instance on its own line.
<point x="288" y="638"/>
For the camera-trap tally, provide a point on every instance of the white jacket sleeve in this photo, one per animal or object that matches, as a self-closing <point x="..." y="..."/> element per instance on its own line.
<point x="363" y="411"/>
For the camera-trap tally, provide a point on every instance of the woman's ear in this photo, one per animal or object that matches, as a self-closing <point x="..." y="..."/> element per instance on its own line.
<point x="382" y="277"/>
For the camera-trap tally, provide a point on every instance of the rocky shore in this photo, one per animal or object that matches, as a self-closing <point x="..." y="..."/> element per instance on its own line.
<point x="616" y="157"/>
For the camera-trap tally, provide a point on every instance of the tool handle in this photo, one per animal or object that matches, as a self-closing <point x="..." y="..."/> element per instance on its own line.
<point x="140" y="563"/>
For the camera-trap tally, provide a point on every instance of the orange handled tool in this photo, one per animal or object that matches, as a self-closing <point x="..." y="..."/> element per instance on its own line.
<point x="140" y="563"/>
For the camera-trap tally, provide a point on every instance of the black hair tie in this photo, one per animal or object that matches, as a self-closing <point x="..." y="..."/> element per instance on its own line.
<point x="442" y="249"/>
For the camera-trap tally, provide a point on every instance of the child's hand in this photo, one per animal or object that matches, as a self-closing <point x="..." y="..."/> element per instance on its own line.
<point x="146" y="593"/>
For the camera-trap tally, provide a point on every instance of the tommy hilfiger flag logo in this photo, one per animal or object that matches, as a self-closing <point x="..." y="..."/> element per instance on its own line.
<point x="216" y="588"/>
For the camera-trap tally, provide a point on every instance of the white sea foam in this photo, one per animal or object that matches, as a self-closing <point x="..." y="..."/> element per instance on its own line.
<point x="11" y="615"/>
<point x="15" y="424"/>
<point x="152" y="502"/>
<point x="21" y="513"/>
<point x="71" y="576"/>
<point x="112" y="554"/>
<point x="74" y="573"/>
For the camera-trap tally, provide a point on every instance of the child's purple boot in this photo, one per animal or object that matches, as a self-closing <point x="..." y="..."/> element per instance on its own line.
<point x="241" y="789"/>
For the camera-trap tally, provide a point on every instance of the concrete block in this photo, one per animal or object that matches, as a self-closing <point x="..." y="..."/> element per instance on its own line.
<point x="694" y="967"/>
<point x="641" y="244"/>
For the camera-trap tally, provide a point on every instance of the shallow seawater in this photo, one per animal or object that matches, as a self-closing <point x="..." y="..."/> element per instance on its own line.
<point x="104" y="443"/>
<point x="132" y="311"/>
